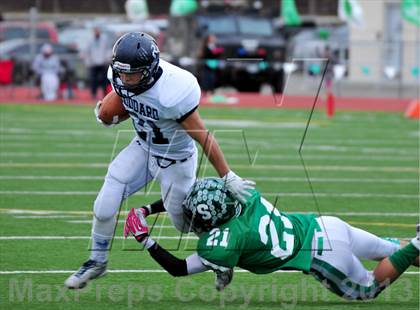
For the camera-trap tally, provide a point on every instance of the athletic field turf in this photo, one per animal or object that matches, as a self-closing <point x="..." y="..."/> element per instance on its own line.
<point x="363" y="167"/>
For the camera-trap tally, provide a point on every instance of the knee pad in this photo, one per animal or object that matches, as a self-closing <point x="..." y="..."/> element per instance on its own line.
<point x="109" y="199"/>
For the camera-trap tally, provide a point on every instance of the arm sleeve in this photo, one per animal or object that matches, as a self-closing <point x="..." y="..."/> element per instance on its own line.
<point x="174" y="266"/>
<point x="195" y="264"/>
<point x="155" y="207"/>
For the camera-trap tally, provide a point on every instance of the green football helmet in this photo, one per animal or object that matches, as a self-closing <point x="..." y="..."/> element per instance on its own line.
<point x="209" y="204"/>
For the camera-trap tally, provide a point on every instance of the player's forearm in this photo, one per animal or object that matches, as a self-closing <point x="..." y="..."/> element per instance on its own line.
<point x="173" y="265"/>
<point x="215" y="155"/>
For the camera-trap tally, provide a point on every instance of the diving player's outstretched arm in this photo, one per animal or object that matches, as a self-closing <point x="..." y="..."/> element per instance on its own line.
<point x="195" y="127"/>
<point x="136" y="225"/>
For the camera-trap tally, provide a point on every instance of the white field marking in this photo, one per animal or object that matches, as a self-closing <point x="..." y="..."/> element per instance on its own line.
<point x="396" y="169"/>
<point x="230" y="155"/>
<point x="274" y="147"/>
<point x="9" y="272"/>
<point x="47" y="212"/>
<point x="55" y="132"/>
<point x="280" y="143"/>
<point x="338" y="195"/>
<point x="231" y="123"/>
<point x="120" y="221"/>
<point x="55" y="154"/>
<point x="21" y="132"/>
<point x="51" y="177"/>
<point x="266" y="146"/>
<point x="333" y="180"/>
<point x="53" y="216"/>
<point x="52" y="238"/>
<point x="264" y="179"/>
<point x="253" y="138"/>
<point x="283" y="123"/>
<point x="272" y="144"/>
<point x="70" y="145"/>
<point x="53" y="165"/>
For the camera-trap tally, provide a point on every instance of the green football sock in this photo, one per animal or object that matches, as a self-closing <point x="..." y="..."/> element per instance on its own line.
<point x="403" y="258"/>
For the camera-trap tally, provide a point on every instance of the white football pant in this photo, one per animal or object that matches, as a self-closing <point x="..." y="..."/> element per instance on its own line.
<point x="129" y="172"/>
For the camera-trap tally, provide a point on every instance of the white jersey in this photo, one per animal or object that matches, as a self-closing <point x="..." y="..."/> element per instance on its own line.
<point x="157" y="113"/>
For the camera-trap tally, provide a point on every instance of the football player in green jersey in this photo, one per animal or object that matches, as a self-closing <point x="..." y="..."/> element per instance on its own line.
<point x="257" y="237"/>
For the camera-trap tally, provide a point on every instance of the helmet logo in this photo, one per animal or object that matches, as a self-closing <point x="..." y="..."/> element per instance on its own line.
<point x="155" y="51"/>
<point x="204" y="211"/>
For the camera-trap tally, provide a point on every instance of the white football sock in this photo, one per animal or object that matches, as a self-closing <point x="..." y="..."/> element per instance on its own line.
<point x="102" y="234"/>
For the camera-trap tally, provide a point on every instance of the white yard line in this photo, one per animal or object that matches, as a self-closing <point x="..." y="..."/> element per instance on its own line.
<point x="333" y="180"/>
<point x="231" y="155"/>
<point x="264" y="179"/>
<point x="336" y="195"/>
<point x="52" y="177"/>
<point x="120" y="221"/>
<point x="13" y="131"/>
<point x="396" y="169"/>
<point x="90" y="213"/>
<point x="58" y="271"/>
<point x="47" y="216"/>
<point x="44" y="212"/>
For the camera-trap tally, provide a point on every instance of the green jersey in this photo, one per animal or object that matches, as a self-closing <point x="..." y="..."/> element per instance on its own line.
<point x="261" y="239"/>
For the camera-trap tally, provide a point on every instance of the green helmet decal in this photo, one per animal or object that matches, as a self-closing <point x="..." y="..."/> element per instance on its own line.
<point x="209" y="204"/>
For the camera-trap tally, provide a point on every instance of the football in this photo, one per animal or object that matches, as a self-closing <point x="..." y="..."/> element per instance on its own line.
<point x="111" y="107"/>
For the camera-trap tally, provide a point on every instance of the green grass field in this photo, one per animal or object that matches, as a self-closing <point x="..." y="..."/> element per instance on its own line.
<point x="363" y="166"/>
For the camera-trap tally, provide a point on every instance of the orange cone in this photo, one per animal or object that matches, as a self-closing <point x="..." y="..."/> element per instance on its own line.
<point x="330" y="105"/>
<point x="413" y="110"/>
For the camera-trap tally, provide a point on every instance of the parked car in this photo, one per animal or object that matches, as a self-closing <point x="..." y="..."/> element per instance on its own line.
<point x="242" y="36"/>
<point x="19" y="50"/>
<point x="308" y="44"/>
<point x="45" y="31"/>
<point x="76" y="37"/>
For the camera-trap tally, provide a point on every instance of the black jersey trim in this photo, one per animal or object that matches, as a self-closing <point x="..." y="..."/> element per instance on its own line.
<point x="183" y="117"/>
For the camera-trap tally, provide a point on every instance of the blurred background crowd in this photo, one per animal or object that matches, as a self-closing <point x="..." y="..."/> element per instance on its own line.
<point x="372" y="47"/>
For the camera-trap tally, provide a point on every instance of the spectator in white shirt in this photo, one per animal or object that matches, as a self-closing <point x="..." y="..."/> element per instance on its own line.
<point x="46" y="66"/>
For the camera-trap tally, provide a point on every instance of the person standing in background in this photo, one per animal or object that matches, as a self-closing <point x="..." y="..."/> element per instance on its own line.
<point x="97" y="58"/>
<point x="210" y="54"/>
<point x="47" y="67"/>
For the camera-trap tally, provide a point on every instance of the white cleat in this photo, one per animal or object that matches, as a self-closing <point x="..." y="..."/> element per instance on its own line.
<point x="416" y="241"/>
<point x="90" y="270"/>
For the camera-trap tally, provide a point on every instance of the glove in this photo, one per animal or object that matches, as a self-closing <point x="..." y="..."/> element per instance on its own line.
<point x="136" y="225"/>
<point x="238" y="187"/>
<point x="115" y="118"/>
<point x="223" y="279"/>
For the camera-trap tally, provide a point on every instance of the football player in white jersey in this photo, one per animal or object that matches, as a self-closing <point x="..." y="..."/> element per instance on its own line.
<point x="162" y="101"/>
